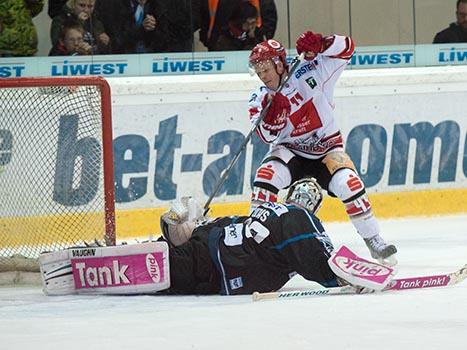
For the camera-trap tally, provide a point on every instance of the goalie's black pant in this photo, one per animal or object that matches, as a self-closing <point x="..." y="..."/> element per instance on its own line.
<point x="240" y="255"/>
<point x="191" y="268"/>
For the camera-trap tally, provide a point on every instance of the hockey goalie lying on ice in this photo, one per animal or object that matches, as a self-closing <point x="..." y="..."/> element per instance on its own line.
<point x="227" y="255"/>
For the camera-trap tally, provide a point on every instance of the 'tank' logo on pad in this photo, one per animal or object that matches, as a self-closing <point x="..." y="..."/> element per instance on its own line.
<point x="99" y="276"/>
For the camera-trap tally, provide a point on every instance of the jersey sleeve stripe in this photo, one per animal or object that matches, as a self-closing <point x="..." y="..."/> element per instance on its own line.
<point x="347" y="53"/>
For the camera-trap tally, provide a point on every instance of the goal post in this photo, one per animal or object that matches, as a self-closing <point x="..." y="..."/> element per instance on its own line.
<point x="56" y="167"/>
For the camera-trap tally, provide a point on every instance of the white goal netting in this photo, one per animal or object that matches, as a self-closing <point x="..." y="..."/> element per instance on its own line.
<point x="52" y="172"/>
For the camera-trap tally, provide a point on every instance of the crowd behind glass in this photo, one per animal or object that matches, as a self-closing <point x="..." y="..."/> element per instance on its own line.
<point x="93" y="27"/>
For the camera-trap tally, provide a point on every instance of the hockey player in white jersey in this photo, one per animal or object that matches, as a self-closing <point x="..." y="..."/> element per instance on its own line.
<point x="304" y="136"/>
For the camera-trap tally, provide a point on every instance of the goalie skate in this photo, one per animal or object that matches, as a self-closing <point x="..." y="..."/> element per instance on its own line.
<point x="381" y="251"/>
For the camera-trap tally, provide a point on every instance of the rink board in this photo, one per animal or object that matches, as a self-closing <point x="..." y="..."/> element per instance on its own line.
<point x="141" y="223"/>
<point x="144" y="223"/>
<point x="405" y="129"/>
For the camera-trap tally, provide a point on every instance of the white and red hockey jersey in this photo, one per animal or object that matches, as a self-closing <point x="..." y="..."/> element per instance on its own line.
<point x="311" y="130"/>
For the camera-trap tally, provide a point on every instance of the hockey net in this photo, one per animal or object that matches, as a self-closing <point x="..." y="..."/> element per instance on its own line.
<point x="56" y="171"/>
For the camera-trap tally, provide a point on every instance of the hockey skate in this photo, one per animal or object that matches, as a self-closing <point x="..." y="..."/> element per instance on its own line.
<point x="381" y="251"/>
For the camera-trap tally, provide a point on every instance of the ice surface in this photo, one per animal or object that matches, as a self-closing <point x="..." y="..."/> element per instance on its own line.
<point x="417" y="319"/>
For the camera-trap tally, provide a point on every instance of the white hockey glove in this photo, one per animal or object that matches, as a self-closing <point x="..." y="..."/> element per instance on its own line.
<point x="178" y="223"/>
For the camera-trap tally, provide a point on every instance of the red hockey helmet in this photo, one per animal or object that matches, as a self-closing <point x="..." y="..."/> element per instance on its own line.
<point x="267" y="50"/>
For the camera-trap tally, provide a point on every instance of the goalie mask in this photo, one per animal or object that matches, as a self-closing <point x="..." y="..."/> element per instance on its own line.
<point x="306" y="193"/>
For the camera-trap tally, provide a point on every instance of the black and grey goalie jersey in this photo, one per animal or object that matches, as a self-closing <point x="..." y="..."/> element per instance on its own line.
<point x="263" y="251"/>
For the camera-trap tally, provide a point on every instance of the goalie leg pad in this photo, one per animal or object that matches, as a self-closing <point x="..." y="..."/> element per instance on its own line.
<point x="127" y="269"/>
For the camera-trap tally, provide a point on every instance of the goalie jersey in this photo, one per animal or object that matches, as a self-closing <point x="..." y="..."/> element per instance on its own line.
<point x="260" y="252"/>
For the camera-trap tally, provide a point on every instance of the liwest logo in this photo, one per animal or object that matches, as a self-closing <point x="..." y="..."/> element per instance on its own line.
<point x="375" y="59"/>
<point x="13" y="70"/>
<point x="189" y="65"/>
<point x="68" y="68"/>
<point x="452" y="55"/>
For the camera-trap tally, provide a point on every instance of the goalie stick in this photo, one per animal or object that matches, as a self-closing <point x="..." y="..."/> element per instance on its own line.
<point x="234" y="160"/>
<point x="395" y="285"/>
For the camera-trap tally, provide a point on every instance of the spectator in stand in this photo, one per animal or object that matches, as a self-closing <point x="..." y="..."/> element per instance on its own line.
<point x="456" y="32"/>
<point x="214" y="15"/>
<point x="242" y="32"/>
<point x="82" y="11"/>
<point x="136" y="26"/>
<point x="71" y="41"/>
<point x="180" y="25"/>
<point x="55" y="7"/>
<point x="18" y="35"/>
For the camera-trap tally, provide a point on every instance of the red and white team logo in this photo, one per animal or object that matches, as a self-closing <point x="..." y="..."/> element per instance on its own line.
<point x="354" y="183"/>
<point x="265" y="172"/>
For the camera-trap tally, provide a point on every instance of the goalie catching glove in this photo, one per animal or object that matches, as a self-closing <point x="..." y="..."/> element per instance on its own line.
<point x="178" y="223"/>
<point x="277" y="113"/>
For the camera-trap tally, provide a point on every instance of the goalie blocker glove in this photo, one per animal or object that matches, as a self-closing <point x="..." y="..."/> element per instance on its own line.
<point x="360" y="272"/>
